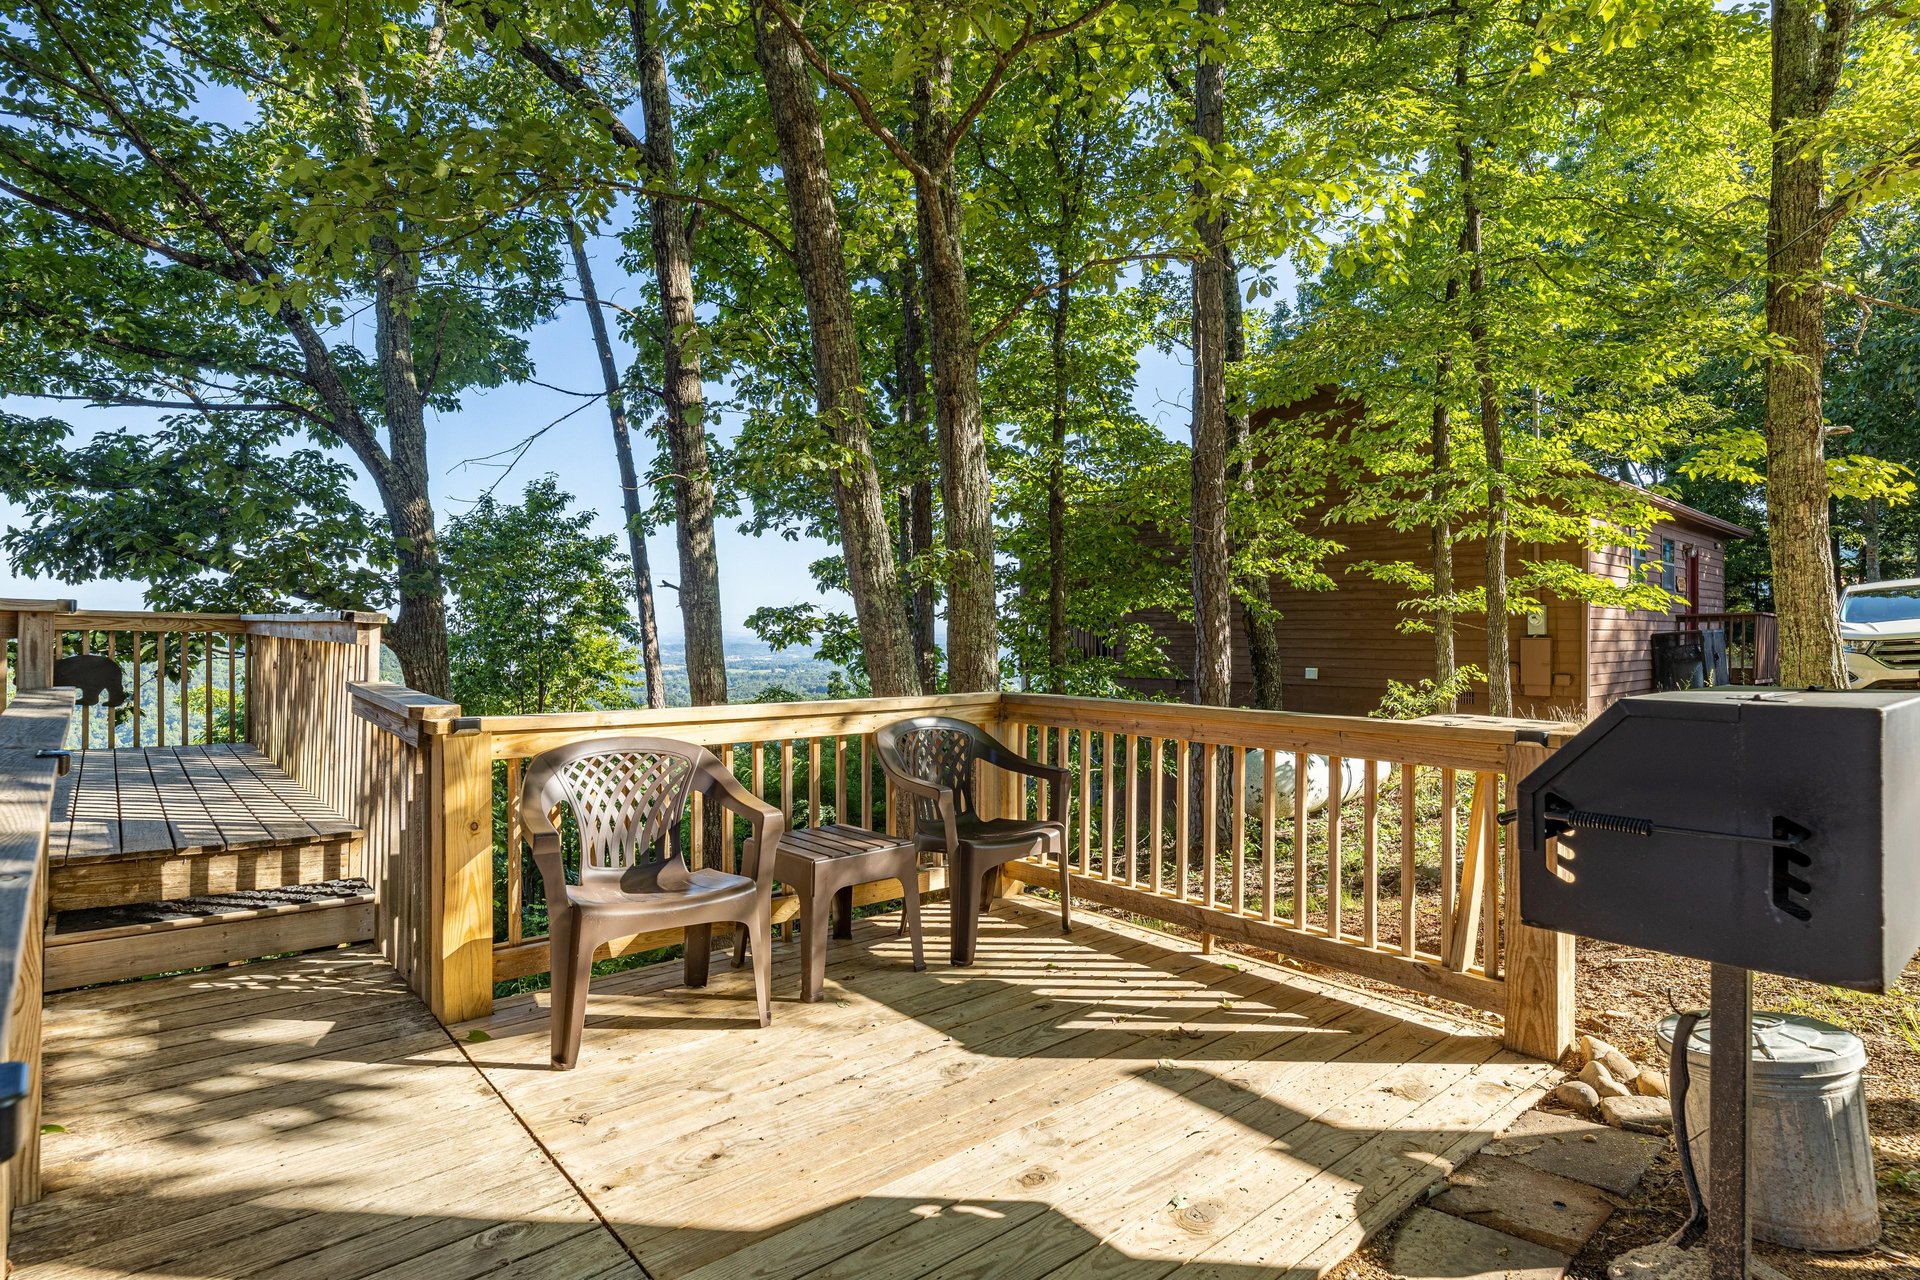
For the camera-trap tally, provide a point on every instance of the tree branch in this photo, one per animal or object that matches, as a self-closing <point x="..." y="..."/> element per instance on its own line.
<point x="1004" y="59"/>
<point x="1005" y="322"/>
<point x="853" y="93"/>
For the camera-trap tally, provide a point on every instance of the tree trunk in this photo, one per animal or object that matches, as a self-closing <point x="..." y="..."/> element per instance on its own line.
<point x="685" y="400"/>
<point x="840" y="386"/>
<point x="1259" y="618"/>
<point x="418" y="635"/>
<point x="1492" y="433"/>
<point x="629" y="477"/>
<point x="973" y="632"/>
<point x="916" y="518"/>
<point x="1212" y="568"/>
<point x="1057" y="493"/>
<point x="1870" y="551"/>
<point x="1806" y="62"/>
<point x="1442" y="534"/>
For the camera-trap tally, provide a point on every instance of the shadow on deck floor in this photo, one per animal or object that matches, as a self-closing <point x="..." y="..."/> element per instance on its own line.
<point x="1104" y="1104"/>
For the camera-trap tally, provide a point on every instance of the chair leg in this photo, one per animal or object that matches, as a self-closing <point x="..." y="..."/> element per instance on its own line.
<point x="843" y="913"/>
<point x="813" y="946"/>
<point x="910" y="916"/>
<point x="739" y="945"/>
<point x="699" y="943"/>
<point x="966" y="913"/>
<point x="572" y="954"/>
<point x="1066" y="896"/>
<point x="761" y="929"/>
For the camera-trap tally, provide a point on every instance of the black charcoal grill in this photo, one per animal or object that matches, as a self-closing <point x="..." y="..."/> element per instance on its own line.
<point x="1770" y="830"/>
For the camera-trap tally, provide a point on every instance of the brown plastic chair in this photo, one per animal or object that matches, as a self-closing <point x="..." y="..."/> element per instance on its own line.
<point x="628" y="796"/>
<point x="936" y="761"/>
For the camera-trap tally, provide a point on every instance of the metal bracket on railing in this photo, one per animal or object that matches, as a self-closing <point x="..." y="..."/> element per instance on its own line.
<point x="60" y="754"/>
<point x="16" y="1087"/>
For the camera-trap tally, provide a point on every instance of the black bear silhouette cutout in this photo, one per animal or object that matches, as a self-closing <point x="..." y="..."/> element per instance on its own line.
<point x="96" y="677"/>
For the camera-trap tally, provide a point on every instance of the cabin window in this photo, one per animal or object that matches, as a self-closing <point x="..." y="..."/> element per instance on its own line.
<point x="1667" y="567"/>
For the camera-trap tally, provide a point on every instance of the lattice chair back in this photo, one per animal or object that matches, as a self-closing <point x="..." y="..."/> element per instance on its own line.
<point x="937" y="750"/>
<point x="627" y="796"/>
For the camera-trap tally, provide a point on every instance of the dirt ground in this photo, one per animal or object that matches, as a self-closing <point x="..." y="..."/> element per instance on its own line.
<point x="1623" y="995"/>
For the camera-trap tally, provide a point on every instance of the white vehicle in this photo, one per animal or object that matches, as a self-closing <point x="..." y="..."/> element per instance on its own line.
<point x="1880" y="630"/>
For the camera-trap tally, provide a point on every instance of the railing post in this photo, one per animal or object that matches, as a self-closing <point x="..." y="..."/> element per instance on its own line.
<point x="460" y="876"/>
<point x="1539" y="962"/>
<point x="39" y="649"/>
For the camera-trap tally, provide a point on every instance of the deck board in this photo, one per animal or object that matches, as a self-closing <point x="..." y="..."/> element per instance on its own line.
<point x="1035" y="1115"/>
<point x="159" y="801"/>
<point x="319" y="1125"/>
<point x="1106" y="1104"/>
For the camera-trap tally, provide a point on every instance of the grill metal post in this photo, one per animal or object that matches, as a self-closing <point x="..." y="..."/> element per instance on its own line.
<point x="1730" y="1059"/>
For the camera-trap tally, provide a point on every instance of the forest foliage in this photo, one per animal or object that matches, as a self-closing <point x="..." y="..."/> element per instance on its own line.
<point x="896" y="266"/>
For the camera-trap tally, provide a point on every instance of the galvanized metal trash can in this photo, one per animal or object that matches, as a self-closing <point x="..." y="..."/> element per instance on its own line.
<point x="1812" y="1184"/>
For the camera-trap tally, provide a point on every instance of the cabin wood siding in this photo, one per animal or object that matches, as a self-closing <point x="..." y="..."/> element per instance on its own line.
<point x="1353" y="634"/>
<point x="1620" y="641"/>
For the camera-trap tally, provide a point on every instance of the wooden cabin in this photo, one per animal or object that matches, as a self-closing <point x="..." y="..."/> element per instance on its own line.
<point x="1569" y="660"/>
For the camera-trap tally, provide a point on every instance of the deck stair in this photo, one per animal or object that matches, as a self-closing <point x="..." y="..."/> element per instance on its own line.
<point x="194" y="840"/>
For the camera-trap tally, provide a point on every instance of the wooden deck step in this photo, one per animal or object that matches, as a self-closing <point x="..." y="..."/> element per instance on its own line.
<point x="171" y="822"/>
<point x="89" y="956"/>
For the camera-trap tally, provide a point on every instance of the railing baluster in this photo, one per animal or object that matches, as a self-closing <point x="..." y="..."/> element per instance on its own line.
<point x="1409" y="837"/>
<point x="787" y="805"/>
<point x="1447" y="801"/>
<point x="207" y="640"/>
<point x="160" y="687"/>
<point x="840" y="779"/>
<point x="1336" y="879"/>
<point x="1237" y="901"/>
<point x="86" y="712"/>
<point x="1183" y="818"/>
<point x="1301" y="874"/>
<point x="1156" y="810"/>
<point x="136" y="689"/>
<point x="1268" y="835"/>
<point x="1490" y="837"/>
<point x="1086" y="805"/>
<point x="1210" y="820"/>
<point x="813" y="782"/>
<point x="516" y="888"/>
<point x="1370" y="857"/>
<point x="233" y="690"/>
<point x="1106" y="805"/>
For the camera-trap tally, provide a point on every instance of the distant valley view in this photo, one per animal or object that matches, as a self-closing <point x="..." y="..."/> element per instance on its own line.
<point x="756" y="671"/>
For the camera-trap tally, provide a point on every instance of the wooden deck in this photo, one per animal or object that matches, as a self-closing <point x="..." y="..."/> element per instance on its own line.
<point x="179" y="801"/>
<point x="1106" y="1104"/>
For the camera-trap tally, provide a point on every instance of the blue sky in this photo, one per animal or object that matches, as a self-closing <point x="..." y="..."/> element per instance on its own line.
<point x="754" y="571"/>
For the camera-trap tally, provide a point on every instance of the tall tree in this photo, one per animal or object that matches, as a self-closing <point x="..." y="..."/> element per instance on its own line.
<point x="839" y="383"/>
<point x="634" y="519"/>
<point x="684" y="399"/>
<point x="539" y="621"/>
<point x="161" y="258"/>
<point x="1212" y="557"/>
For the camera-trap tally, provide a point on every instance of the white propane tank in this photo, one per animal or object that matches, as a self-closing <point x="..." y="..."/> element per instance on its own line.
<point x="1353" y="776"/>
<point x="1812" y="1184"/>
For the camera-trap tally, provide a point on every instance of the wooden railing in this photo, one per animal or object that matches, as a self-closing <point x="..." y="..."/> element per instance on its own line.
<point x="31" y="733"/>
<point x="1410" y="882"/>
<point x="1753" y="643"/>
<point x="194" y="678"/>
<point x="1177" y="814"/>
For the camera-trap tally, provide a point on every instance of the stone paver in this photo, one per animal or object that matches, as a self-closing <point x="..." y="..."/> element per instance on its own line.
<point x="1611" y="1159"/>
<point x="1439" y="1246"/>
<point x="1506" y="1195"/>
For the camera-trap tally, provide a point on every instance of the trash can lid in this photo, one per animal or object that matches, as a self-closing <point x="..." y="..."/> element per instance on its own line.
<point x="1784" y="1044"/>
